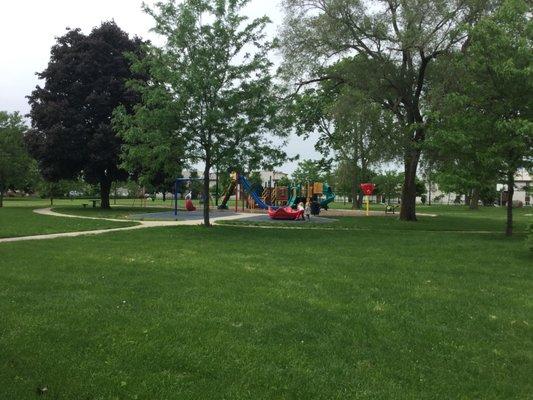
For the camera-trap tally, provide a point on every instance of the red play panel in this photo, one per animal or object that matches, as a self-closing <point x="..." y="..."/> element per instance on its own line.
<point x="285" y="213"/>
<point x="368" y="188"/>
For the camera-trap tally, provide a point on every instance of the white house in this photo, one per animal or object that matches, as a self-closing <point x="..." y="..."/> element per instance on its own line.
<point x="436" y="196"/>
<point x="522" y="188"/>
<point x="272" y="176"/>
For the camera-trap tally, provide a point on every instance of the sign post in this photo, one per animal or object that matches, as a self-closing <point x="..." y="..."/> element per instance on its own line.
<point x="368" y="190"/>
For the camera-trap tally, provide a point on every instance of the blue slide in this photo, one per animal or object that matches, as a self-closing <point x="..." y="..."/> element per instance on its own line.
<point x="258" y="200"/>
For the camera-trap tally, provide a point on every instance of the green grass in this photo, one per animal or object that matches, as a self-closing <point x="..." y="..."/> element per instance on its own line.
<point x="243" y="313"/>
<point x="121" y="212"/>
<point x="448" y="218"/>
<point x="38" y="202"/>
<point x="22" y="221"/>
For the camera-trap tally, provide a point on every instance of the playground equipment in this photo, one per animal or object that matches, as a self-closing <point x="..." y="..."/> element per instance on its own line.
<point x="285" y="213"/>
<point x="189" y="206"/>
<point x="368" y="190"/>
<point x="274" y="198"/>
<point x="330" y="197"/>
<point x="227" y="194"/>
<point x="178" y="185"/>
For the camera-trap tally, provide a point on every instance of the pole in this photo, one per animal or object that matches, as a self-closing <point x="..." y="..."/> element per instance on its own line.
<point x="176" y="198"/>
<point x="367" y="205"/>
<point x="216" y="189"/>
<point x="237" y="193"/>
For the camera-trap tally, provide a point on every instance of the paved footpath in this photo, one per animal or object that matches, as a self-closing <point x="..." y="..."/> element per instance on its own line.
<point x="141" y="225"/>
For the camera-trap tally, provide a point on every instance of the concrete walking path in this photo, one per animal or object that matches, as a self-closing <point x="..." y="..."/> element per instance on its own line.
<point x="140" y="225"/>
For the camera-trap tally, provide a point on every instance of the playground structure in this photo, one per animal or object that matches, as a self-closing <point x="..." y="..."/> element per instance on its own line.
<point x="178" y="188"/>
<point x="285" y="213"/>
<point x="278" y="200"/>
<point x="368" y="190"/>
<point x="189" y="206"/>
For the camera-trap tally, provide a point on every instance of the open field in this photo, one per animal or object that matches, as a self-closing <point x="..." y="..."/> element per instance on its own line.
<point x="22" y="221"/>
<point x="448" y="218"/>
<point x="373" y="309"/>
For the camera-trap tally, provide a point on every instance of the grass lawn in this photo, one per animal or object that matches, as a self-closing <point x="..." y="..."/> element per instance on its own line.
<point x="120" y="212"/>
<point x="22" y="221"/>
<point x="448" y="218"/>
<point x="244" y="313"/>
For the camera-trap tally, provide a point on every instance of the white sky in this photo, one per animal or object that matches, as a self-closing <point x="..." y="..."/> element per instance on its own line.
<point x="28" y="29"/>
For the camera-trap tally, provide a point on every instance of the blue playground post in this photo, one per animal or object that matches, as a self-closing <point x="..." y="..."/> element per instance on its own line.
<point x="176" y="198"/>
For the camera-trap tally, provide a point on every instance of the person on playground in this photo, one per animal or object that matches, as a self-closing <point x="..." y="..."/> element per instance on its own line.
<point x="307" y="211"/>
<point x="301" y="210"/>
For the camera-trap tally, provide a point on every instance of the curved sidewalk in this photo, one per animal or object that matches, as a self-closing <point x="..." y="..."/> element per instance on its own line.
<point x="141" y="225"/>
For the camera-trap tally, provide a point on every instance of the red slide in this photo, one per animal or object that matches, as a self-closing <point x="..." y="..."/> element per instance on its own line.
<point x="189" y="206"/>
<point x="286" y="213"/>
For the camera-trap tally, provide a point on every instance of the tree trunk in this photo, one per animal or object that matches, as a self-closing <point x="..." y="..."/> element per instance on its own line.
<point x="468" y="198"/>
<point x="510" y="194"/>
<point x="360" y="199"/>
<point x="474" y="200"/>
<point x="408" y="206"/>
<point x="164" y="196"/>
<point x="354" y="197"/>
<point x="207" y="223"/>
<point x="216" y="189"/>
<point x="430" y="190"/>
<point x="1" y="197"/>
<point x="105" y="190"/>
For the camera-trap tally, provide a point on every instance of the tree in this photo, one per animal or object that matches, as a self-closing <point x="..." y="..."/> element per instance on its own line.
<point x="57" y="189"/>
<point x="388" y="46"/>
<point x="484" y="124"/>
<point x="284" y="181"/>
<point x="16" y="164"/>
<point x="71" y="133"/>
<point x="308" y="171"/>
<point x="255" y="181"/>
<point x="196" y="186"/>
<point x="212" y="78"/>
<point x="389" y="185"/>
<point x="352" y="130"/>
<point x="345" y="179"/>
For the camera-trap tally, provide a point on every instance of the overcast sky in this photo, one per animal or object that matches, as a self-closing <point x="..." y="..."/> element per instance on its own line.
<point x="28" y="29"/>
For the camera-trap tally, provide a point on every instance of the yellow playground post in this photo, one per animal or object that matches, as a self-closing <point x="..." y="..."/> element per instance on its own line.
<point x="368" y="189"/>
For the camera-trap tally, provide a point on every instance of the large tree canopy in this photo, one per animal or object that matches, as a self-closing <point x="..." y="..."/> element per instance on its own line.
<point x="16" y="165"/>
<point x="84" y="82"/>
<point x="356" y="132"/>
<point x="388" y="46"/>
<point x="483" y="124"/>
<point x="212" y="84"/>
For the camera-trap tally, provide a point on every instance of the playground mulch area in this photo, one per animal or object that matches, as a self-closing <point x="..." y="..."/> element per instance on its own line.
<point x="181" y="216"/>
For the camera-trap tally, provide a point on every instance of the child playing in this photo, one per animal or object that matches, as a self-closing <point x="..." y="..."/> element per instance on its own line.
<point x="308" y="211"/>
<point x="301" y="210"/>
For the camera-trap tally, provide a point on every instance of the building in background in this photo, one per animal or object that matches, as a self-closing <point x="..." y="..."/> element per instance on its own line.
<point x="272" y="176"/>
<point x="522" y="189"/>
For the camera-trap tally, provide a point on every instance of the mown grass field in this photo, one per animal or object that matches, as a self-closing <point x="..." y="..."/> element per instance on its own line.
<point x="376" y="309"/>
<point x="22" y="221"/>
